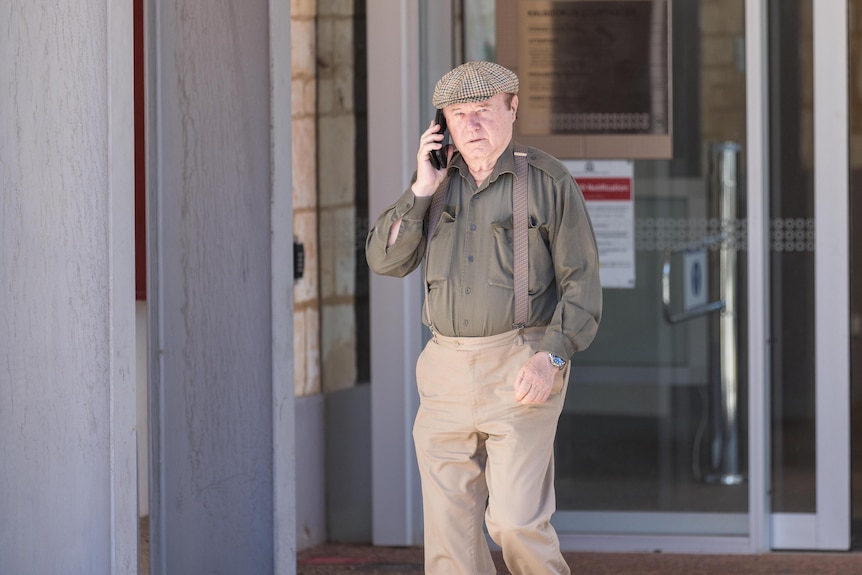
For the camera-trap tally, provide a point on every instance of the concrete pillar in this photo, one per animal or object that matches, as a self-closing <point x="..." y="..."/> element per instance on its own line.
<point x="221" y="287"/>
<point x="67" y="377"/>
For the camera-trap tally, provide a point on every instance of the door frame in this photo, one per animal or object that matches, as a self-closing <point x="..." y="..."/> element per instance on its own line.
<point x="829" y="527"/>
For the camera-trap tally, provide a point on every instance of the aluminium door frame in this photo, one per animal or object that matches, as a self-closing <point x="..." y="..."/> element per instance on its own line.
<point x="829" y="527"/>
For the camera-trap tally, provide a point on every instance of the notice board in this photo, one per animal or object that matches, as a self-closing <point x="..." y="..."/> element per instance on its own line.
<point x="595" y="75"/>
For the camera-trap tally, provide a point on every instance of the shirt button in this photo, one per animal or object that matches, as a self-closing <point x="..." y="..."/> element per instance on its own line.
<point x="470" y="259"/>
<point x="466" y="322"/>
<point x="467" y="291"/>
<point x="472" y="227"/>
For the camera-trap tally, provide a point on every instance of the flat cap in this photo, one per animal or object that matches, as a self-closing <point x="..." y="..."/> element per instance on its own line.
<point x="474" y="82"/>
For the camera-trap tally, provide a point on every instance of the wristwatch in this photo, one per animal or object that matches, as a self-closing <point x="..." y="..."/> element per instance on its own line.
<point x="556" y="361"/>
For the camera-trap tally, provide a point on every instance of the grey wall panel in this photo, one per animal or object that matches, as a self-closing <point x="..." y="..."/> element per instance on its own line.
<point x="310" y="472"/>
<point x="348" y="473"/>
<point x="213" y="309"/>
<point x="67" y="428"/>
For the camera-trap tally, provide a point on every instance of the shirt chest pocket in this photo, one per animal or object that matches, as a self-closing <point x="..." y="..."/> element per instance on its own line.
<point x="502" y="262"/>
<point x="439" y="261"/>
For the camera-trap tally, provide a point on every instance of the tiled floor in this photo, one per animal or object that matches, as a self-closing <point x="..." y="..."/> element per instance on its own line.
<point x="332" y="559"/>
<point x="338" y="559"/>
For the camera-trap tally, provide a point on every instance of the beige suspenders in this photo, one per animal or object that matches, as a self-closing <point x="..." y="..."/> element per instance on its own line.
<point x="521" y="220"/>
<point x="520" y="224"/>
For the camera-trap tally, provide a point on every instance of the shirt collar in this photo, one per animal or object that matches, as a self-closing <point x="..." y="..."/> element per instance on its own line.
<point x="505" y="164"/>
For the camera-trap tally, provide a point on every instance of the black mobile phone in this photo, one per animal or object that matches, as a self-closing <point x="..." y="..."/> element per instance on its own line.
<point x="438" y="157"/>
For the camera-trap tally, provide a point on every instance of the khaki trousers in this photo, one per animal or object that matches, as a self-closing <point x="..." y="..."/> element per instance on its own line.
<point x="482" y="454"/>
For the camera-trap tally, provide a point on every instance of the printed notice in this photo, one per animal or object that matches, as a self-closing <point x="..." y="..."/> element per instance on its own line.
<point x="593" y="67"/>
<point x="608" y="188"/>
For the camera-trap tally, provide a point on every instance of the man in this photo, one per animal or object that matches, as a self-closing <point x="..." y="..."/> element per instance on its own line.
<point x="491" y="386"/>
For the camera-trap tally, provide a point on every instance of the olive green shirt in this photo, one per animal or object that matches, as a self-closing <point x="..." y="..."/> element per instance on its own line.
<point x="470" y="261"/>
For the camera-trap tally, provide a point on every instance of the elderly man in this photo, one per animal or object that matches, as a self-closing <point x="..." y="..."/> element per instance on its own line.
<point x="512" y="292"/>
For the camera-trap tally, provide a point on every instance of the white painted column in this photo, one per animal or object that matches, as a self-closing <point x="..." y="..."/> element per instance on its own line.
<point x="409" y="49"/>
<point x="757" y="183"/>
<point x="220" y="285"/>
<point x="67" y="336"/>
<point x="393" y="82"/>
<point x="832" y="270"/>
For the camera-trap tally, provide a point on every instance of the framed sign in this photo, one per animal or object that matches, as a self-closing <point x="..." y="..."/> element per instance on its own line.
<point x="595" y="75"/>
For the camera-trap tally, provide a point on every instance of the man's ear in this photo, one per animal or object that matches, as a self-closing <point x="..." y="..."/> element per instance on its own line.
<point x="515" y="107"/>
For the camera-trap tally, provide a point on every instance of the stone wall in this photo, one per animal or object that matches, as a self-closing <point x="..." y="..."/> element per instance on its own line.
<point x="306" y="320"/>
<point x="723" y="71"/>
<point x="324" y="194"/>
<point x="336" y="152"/>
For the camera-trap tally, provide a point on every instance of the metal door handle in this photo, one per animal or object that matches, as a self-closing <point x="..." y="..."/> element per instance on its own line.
<point x="692" y="313"/>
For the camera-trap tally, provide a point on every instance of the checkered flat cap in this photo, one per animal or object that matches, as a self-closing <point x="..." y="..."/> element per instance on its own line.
<point x="474" y="82"/>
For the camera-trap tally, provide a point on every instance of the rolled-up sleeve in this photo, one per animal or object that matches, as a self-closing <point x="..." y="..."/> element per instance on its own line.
<point x="405" y="254"/>
<point x="576" y="265"/>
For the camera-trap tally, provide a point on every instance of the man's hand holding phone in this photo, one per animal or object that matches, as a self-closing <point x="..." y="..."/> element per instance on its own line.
<point x="433" y="157"/>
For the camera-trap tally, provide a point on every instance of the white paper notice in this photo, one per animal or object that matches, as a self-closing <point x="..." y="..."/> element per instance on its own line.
<point x="608" y="188"/>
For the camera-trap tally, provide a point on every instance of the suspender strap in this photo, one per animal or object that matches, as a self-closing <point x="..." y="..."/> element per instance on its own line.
<point x="521" y="221"/>
<point x="521" y="218"/>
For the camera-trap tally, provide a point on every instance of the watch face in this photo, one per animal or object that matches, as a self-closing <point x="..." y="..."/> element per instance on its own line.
<point x="557" y="362"/>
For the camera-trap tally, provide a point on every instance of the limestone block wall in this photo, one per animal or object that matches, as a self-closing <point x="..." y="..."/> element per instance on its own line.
<point x="324" y="194"/>
<point x="722" y="91"/>
<point x="337" y="214"/>
<point x="306" y="319"/>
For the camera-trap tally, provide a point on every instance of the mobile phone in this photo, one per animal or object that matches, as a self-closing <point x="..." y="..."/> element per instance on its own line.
<point x="438" y="157"/>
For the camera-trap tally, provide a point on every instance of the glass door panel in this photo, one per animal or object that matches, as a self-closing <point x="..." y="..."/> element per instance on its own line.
<point x="655" y="419"/>
<point x="653" y="438"/>
<point x="791" y="265"/>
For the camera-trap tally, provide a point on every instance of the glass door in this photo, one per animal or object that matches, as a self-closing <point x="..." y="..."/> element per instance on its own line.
<point x="654" y="439"/>
<point x="655" y="447"/>
<point x="711" y="412"/>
